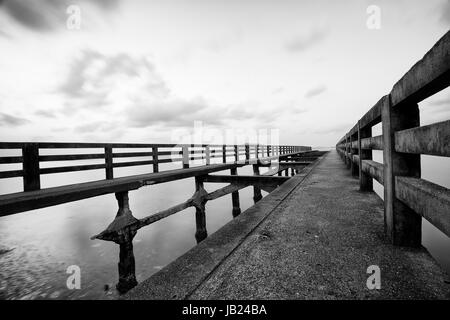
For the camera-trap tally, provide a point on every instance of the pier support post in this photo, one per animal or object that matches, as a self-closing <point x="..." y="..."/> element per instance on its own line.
<point x="200" y="214"/>
<point x="402" y="224"/>
<point x="235" y="198"/>
<point x="122" y="231"/>
<point x="365" y="180"/>
<point x="256" y="189"/>
<point x="127" y="277"/>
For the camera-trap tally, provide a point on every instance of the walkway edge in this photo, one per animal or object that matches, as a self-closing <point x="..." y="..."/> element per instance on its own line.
<point x="182" y="277"/>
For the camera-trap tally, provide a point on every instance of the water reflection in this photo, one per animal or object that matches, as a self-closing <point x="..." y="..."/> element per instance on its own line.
<point x="45" y="242"/>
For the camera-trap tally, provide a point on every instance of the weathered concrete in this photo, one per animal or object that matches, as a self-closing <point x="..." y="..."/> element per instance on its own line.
<point x="312" y="238"/>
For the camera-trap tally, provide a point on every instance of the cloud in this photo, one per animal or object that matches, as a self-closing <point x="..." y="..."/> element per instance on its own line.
<point x="445" y="12"/>
<point x="45" y="113"/>
<point x="333" y="129"/>
<point x="95" y="80"/>
<point x="12" y="121"/>
<point x="45" y="15"/>
<point x="303" y="42"/>
<point x="172" y="112"/>
<point x="315" y="91"/>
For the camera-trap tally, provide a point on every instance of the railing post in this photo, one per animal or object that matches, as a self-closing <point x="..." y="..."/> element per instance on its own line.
<point x="109" y="162"/>
<point x="247" y="153"/>
<point x="31" y="177"/>
<point x="224" y="153"/>
<point x="235" y="197"/>
<point x="200" y="215"/>
<point x="185" y="149"/>
<point x="155" y="159"/>
<point x="256" y="189"/>
<point x="127" y="269"/>
<point x="365" y="180"/>
<point x="402" y="224"/>
<point x="236" y="153"/>
<point x="208" y="155"/>
<point x="268" y="151"/>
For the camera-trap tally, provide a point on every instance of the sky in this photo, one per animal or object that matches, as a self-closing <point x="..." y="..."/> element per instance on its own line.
<point x="154" y="71"/>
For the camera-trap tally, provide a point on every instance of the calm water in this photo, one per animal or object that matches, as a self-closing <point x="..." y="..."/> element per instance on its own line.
<point x="45" y="242"/>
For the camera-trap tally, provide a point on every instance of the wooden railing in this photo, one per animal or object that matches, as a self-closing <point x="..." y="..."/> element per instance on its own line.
<point x="154" y="154"/>
<point x="407" y="197"/>
<point x="125" y="226"/>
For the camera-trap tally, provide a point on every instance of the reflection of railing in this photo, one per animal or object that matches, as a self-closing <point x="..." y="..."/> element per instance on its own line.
<point x="125" y="226"/>
<point x="407" y="197"/>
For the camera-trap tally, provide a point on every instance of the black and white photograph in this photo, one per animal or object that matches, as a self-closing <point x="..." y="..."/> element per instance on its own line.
<point x="224" y="157"/>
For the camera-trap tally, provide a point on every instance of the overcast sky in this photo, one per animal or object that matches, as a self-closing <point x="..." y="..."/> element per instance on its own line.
<point x="136" y="71"/>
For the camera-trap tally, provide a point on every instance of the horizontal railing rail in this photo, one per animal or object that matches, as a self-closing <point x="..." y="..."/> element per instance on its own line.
<point x="407" y="197"/>
<point x="32" y="158"/>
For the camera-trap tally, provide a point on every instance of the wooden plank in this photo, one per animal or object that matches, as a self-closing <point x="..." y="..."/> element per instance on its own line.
<point x="374" y="169"/>
<point x="429" y="75"/>
<point x="71" y="157"/>
<point x="24" y="201"/>
<point x="72" y="168"/>
<point x="433" y="139"/>
<point x="12" y="145"/>
<point x="164" y="214"/>
<point x="224" y="191"/>
<point x="132" y="163"/>
<point x="427" y="199"/>
<point x="11" y="174"/>
<point x="261" y="179"/>
<point x="8" y="160"/>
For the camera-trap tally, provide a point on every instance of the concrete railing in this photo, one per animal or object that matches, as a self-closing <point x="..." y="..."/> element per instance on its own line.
<point x="407" y="197"/>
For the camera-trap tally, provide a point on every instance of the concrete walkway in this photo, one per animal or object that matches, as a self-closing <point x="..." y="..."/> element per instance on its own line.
<point x="312" y="238"/>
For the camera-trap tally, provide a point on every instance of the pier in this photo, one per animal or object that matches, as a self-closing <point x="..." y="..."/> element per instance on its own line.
<point x="318" y="232"/>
